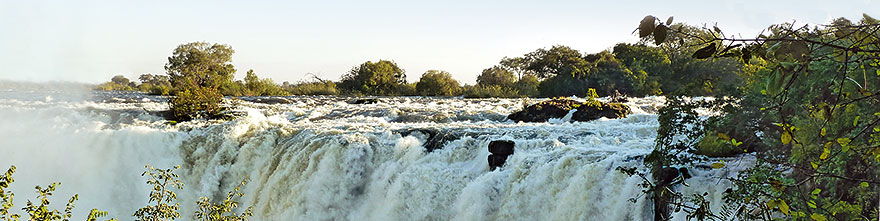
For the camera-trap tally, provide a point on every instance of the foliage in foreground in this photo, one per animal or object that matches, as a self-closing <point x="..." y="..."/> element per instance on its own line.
<point x="166" y="206"/>
<point x="810" y="114"/>
<point x="42" y="210"/>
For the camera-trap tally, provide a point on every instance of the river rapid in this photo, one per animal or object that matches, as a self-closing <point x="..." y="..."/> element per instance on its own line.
<point x="322" y="158"/>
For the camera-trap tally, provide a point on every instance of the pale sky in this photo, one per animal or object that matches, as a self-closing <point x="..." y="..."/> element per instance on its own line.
<point x="91" y="41"/>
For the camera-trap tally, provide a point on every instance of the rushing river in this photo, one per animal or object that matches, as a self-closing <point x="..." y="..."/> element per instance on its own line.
<point x="322" y="158"/>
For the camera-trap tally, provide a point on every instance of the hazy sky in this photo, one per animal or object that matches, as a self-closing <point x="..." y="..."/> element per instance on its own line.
<point x="90" y="41"/>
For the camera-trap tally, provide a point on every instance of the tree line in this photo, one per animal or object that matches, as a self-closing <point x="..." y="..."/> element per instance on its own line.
<point x="630" y="69"/>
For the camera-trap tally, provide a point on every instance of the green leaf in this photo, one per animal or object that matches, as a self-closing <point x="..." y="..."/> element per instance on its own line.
<point x="735" y="144"/>
<point x="791" y="50"/>
<point x="659" y="34"/>
<point x="843" y="141"/>
<point x="816" y="191"/>
<point x="864" y="184"/>
<point x="786" y="137"/>
<point x="669" y="20"/>
<point x="815" y="166"/>
<point x="646" y="26"/>
<point x="856" y="121"/>
<point x="818" y="217"/>
<point x="705" y="52"/>
<point x="812" y="204"/>
<point x="783" y="207"/>
<point x="845" y="148"/>
<point x="825" y="153"/>
<point x="771" y="204"/>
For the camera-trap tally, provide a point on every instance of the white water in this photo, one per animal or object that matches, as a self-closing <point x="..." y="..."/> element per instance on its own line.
<point x="324" y="159"/>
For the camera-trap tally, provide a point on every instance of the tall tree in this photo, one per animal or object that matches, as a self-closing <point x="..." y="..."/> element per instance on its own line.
<point x="198" y="71"/>
<point x="559" y="59"/>
<point x="202" y="63"/>
<point x="496" y="76"/>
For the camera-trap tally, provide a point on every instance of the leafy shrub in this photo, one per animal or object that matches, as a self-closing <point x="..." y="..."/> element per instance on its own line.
<point x="196" y="102"/>
<point x="261" y="87"/>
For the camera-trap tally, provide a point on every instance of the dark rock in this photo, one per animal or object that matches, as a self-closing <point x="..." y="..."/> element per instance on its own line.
<point x="559" y="107"/>
<point x="684" y="173"/>
<point x="499" y="151"/>
<point x="365" y="101"/>
<point x="663" y="179"/>
<point x="435" y="139"/>
<point x="667" y="175"/>
<point x="496" y="161"/>
<point x="501" y="147"/>
<point x="606" y="110"/>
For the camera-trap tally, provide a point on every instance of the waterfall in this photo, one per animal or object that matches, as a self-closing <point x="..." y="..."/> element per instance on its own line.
<point x="321" y="158"/>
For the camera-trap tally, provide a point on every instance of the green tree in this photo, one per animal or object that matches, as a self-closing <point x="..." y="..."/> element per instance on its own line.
<point x="120" y="80"/>
<point x="155" y="84"/>
<point x="117" y="83"/>
<point x="517" y="65"/>
<point x="496" y="76"/>
<point x="608" y="75"/>
<point x="690" y="76"/>
<point x="654" y="64"/>
<point x="199" y="71"/>
<point x="201" y="64"/>
<point x="527" y="86"/>
<point x="559" y="59"/>
<point x="375" y="78"/>
<point x="437" y="83"/>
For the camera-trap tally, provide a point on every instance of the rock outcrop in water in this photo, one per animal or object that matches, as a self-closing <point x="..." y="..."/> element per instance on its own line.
<point x="435" y="138"/>
<point x="365" y="101"/>
<point x="559" y="107"/>
<point x="499" y="151"/>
